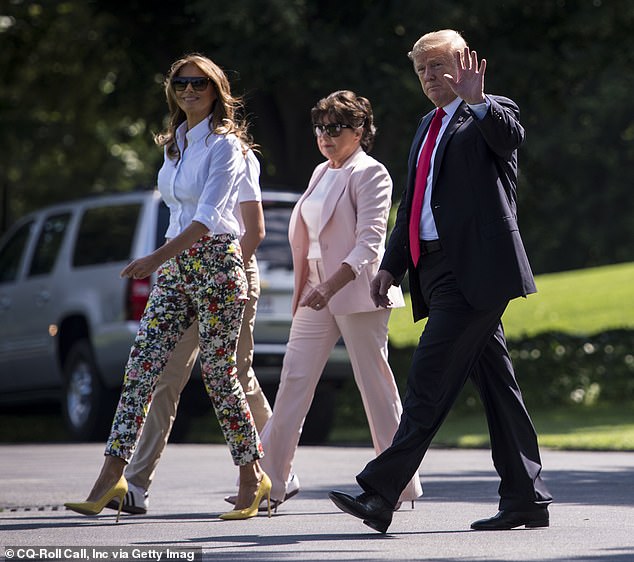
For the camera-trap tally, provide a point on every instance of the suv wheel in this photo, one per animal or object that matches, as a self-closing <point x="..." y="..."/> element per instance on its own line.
<point x="88" y="406"/>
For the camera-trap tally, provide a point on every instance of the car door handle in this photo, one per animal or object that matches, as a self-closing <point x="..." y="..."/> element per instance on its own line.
<point x="42" y="298"/>
<point x="5" y="303"/>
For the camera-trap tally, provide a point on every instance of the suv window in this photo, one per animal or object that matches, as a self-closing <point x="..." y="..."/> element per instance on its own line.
<point x="48" y="244"/>
<point x="11" y="253"/>
<point x="105" y="234"/>
<point x="275" y="249"/>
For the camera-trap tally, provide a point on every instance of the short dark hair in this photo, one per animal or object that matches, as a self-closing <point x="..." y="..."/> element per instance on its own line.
<point x="344" y="106"/>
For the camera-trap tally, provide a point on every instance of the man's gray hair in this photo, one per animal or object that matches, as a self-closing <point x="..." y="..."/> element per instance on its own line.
<point x="449" y="39"/>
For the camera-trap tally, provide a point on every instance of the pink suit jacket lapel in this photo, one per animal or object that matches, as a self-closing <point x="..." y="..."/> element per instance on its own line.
<point x="337" y="190"/>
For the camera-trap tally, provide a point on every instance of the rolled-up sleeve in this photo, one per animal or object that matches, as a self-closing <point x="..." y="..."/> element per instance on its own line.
<point x="224" y="164"/>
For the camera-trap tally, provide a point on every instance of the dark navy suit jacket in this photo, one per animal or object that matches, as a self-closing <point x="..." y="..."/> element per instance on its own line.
<point x="474" y="206"/>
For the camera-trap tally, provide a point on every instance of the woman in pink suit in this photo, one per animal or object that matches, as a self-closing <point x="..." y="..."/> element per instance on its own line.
<point x="337" y="235"/>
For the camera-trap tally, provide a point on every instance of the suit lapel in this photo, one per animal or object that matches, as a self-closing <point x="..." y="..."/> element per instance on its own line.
<point x="337" y="189"/>
<point x="296" y="220"/>
<point x="418" y="139"/>
<point x="335" y="193"/>
<point x="458" y="119"/>
<point x="413" y="156"/>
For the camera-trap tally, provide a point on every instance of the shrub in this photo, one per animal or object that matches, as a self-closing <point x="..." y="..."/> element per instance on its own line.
<point x="553" y="369"/>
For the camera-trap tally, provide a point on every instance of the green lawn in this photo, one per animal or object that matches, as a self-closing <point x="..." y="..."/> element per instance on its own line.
<point x="586" y="301"/>
<point x="597" y="428"/>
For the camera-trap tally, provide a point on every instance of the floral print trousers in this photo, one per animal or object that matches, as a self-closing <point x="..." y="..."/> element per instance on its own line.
<point x="206" y="282"/>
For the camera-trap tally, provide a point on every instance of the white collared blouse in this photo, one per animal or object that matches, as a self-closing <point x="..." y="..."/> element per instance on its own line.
<point x="203" y="184"/>
<point x="249" y="185"/>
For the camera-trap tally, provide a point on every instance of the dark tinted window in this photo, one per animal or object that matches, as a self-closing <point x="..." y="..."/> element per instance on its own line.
<point x="105" y="234"/>
<point x="48" y="244"/>
<point x="275" y="249"/>
<point x="162" y="223"/>
<point x="11" y="253"/>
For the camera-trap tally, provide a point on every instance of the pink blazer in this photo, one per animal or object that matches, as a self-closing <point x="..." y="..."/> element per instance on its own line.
<point x="353" y="228"/>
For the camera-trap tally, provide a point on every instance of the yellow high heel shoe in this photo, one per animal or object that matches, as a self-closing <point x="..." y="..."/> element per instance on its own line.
<point x="264" y="489"/>
<point x="119" y="490"/>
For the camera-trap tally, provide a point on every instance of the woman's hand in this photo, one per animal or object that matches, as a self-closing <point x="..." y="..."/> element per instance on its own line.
<point x="145" y="266"/>
<point x="318" y="297"/>
<point x="141" y="267"/>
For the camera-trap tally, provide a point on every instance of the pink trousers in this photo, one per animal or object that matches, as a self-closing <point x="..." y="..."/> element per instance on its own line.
<point x="312" y="337"/>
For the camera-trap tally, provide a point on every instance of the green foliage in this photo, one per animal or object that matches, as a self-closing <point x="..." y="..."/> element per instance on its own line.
<point x="292" y="53"/>
<point x="570" y="83"/>
<point x="577" y="142"/>
<point x="579" y="390"/>
<point x="83" y="96"/>
<point x="560" y="369"/>
<point x="67" y="129"/>
<point x="577" y="302"/>
<point x="555" y="369"/>
<point x="596" y="428"/>
<point x="572" y="346"/>
<point x="586" y="301"/>
<point x="572" y="427"/>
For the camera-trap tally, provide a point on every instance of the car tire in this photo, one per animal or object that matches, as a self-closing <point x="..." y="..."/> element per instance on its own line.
<point x="87" y="405"/>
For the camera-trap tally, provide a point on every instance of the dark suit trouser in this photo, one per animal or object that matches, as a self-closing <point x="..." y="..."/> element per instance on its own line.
<point x="459" y="342"/>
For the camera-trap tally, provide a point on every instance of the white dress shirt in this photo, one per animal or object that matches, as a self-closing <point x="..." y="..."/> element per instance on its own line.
<point x="427" y="226"/>
<point x="203" y="184"/>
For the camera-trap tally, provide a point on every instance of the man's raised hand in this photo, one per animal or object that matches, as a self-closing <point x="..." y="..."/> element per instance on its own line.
<point x="468" y="84"/>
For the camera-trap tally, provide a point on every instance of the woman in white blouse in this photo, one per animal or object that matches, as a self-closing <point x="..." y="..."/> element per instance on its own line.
<point x="200" y="277"/>
<point x="337" y="234"/>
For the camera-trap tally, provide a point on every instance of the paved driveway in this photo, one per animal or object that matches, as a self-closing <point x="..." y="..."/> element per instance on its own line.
<point x="592" y="518"/>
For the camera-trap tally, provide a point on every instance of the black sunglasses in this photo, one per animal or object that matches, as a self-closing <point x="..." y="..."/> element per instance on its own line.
<point x="331" y="129"/>
<point x="199" y="83"/>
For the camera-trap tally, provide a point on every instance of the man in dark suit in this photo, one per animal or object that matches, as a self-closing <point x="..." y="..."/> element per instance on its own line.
<point x="466" y="260"/>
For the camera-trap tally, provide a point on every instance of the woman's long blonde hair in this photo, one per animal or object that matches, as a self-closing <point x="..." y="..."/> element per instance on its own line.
<point x="224" y="118"/>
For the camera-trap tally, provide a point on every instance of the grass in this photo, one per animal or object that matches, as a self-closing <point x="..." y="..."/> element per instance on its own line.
<point x="602" y="428"/>
<point x="575" y="302"/>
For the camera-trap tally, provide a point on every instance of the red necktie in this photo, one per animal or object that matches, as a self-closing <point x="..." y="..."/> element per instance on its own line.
<point x="422" y="171"/>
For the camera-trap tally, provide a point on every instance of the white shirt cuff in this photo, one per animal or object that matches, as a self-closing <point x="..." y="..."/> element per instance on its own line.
<point x="480" y="109"/>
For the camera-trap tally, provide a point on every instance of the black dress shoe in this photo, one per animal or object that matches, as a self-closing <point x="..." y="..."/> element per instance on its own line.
<point x="372" y="508"/>
<point x="505" y="520"/>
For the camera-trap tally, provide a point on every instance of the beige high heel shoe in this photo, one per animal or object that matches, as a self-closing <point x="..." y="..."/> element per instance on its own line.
<point x="399" y="504"/>
<point x="264" y="489"/>
<point x="119" y="490"/>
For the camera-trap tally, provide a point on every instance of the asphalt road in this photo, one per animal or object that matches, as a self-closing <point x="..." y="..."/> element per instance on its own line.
<point x="592" y="518"/>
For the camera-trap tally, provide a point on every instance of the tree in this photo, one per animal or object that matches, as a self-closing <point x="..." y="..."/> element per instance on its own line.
<point x="86" y="96"/>
<point x="78" y="116"/>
